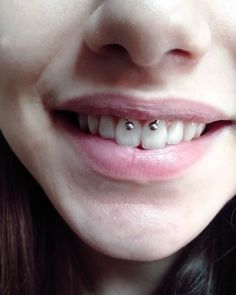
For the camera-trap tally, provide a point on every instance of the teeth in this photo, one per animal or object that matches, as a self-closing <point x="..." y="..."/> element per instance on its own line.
<point x="128" y="137"/>
<point x="190" y="131"/>
<point x="200" y="130"/>
<point x="150" y="134"/>
<point x="154" y="139"/>
<point x="93" y="124"/>
<point x="175" y="132"/>
<point x="83" y="122"/>
<point x="107" y="127"/>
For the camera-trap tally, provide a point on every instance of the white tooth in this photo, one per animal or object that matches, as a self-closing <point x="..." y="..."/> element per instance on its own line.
<point x="93" y="124"/>
<point x="200" y="129"/>
<point x="154" y="139"/>
<point x="189" y="131"/>
<point x="128" y="137"/>
<point x="175" y="132"/>
<point x="83" y="121"/>
<point x="107" y="127"/>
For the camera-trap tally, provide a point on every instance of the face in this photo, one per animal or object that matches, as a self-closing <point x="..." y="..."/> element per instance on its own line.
<point x="127" y="188"/>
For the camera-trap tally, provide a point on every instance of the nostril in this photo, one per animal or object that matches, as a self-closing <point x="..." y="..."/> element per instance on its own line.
<point x="180" y="53"/>
<point x="113" y="49"/>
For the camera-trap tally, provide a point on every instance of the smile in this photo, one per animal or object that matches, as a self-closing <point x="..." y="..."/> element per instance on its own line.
<point x="152" y="134"/>
<point x="139" y="141"/>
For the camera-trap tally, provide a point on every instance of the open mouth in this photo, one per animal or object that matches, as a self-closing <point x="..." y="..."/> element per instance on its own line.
<point x="150" y="134"/>
<point x="139" y="140"/>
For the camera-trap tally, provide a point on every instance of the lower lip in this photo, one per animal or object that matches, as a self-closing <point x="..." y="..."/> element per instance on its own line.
<point x="117" y="162"/>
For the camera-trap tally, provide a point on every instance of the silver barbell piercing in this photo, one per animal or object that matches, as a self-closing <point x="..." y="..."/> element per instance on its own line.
<point x="129" y="125"/>
<point x="154" y="125"/>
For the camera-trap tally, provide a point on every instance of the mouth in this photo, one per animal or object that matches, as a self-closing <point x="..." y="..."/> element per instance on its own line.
<point x="149" y="134"/>
<point x="140" y="142"/>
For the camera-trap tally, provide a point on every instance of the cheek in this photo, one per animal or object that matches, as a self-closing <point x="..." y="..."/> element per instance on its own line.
<point x="24" y="57"/>
<point x="222" y="19"/>
<point x="28" y="42"/>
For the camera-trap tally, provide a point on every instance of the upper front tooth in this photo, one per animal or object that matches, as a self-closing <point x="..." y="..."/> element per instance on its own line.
<point x="83" y="122"/>
<point x="107" y="127"/>
<point x="189" y="131"/>
<point x="93" y="124"/>
<point x="152" y="135"/>
<point x="175" y="132"/>
<point x="127" y="137"/>
<point x="153" y="139"/>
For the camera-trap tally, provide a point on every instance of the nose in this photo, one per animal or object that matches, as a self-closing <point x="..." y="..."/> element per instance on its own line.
<point x="148" y="30"/>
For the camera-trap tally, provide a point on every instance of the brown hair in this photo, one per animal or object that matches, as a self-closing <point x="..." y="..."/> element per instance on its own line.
<point x="39" y="253"/>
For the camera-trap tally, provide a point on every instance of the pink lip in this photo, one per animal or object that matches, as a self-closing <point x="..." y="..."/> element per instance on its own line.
<point x="107" y="158"/>
<point x="142" y="109"/>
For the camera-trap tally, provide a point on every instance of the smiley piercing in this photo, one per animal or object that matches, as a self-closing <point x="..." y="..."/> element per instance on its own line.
<point x="154" y="125"/>
<point x="129" y="125"/>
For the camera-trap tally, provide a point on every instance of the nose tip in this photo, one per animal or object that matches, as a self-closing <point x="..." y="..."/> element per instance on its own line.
<point x="148" y="31"/>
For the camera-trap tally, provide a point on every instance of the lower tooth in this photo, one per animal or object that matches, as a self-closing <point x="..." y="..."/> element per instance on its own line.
<point x="154" y="139"/>
<point x="128" y="133"/>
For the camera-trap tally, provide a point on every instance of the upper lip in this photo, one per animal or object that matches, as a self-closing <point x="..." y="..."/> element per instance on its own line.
<point x="170" y="108"/>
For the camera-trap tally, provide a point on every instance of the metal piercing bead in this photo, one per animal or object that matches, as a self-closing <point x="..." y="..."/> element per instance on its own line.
<point x="154" y="125"/>
<point x="129" y="125"/>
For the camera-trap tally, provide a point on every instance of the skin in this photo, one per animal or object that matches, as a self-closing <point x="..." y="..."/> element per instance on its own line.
<point x="56" y="48"/>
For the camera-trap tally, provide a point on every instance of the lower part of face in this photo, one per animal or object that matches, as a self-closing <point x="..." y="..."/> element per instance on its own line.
<point x="57" y="52"/>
